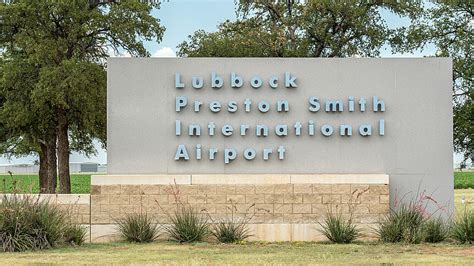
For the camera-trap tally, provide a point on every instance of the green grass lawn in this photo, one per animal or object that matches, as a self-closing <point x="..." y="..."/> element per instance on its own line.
<point x="80" y="183"/>
<point x="464" y="179"/>
<point x="250" y="253"/>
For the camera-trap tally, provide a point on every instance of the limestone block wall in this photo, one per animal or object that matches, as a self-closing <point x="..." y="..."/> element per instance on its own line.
<point x="279" y="207"/>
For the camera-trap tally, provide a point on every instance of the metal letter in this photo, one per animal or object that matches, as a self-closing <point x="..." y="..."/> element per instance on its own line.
<point x="197" y="82"/>
<point x="281" y="152"/>
<point x="290" y="81"/>
<point x="211" y="126"/>
<point x="197" y="106"/>
<point x="345" y="130"/>
<point x="216" y="81"/>
<point x="215" y="106"/>
<point x="362" y="103"/>
<point x="177" y="81"/>
<point x="229" y="155"/>
<point x="247" y="104"/>
<point x="365" y="130"/>
<point x="283" y="106"/>
<point x="181" y="101"/>
<point x="194" y="130"/>
<point x="256" y="82"/>
<point x="198" y="152"/>
<point x="181" y="152"/>
<point x="266" y="154"/>
<point x="311" y="127"/>
<point x="334" y="106"/>
<point x="298" y="127"/>
<point x="314" y="105"/>
<point x="243" y="129"/>
<point x="281" y="130"/>
<point x="178" y="128"/>
<point x="227" y="130"/>
<point x="250" y="154"/>
<point x="377" y="103"/>
<point x="263" y="106"/>
<point x="236" y="81"/>
<point x="262" y="130"/>
<point x="212" y="154"/>
<point x="232" y="106"/>
<point x="351" y="104"/>
<point x="273" y="82"/>
<point x="327" y="130"/>
<point x="382" y="127"/>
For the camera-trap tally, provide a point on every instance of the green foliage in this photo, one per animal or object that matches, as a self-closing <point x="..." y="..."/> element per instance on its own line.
<point x="463" y="229"/>
<point x="301" y="29"/>
<point x="232" y="229"/>
<point x="80" y="183"/>
<point x="402" y="224"/>
<point x="53" y="79"/>
<point x="187" y="225"/>
<point x="229" y="231"/>
<point x="74" y="234"/>
<point x="463" y="180"/>
<point x="27" y="223"/>
<point x="436" y="230"/>
<point x="138" y="227"/>
<point x="339" y="229"/>
<point x="448" y="26"/>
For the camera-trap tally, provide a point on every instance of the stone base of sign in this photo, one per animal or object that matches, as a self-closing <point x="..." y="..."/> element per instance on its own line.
<point x="279" y="207"/>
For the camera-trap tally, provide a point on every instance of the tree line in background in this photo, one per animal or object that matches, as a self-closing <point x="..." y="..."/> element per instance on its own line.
<point x="353" y="28"/>
<point x="53" y="62"/>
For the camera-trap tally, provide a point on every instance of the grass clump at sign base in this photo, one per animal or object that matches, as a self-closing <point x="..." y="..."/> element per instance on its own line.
<point x="29" y="223"/>
<point x="187" y="225"/>
<point x="403" y="224"/>
<point x="463" y="228"/>
<point x="232" y="229"/>
<point x="436" y="230"/>
<point x="339" y="229"/>
<point x="138" y="227"/>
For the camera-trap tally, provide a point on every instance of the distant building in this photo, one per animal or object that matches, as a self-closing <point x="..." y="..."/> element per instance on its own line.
<point x="75" y="167"/>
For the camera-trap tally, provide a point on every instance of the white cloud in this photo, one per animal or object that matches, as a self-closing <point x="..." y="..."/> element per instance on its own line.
<point x="164" y="52"/>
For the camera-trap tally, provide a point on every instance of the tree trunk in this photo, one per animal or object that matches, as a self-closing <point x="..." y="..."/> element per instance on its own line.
<point x="63" y="153"/>
<point x="43" y="169"/>
<point x="52" y="172"/>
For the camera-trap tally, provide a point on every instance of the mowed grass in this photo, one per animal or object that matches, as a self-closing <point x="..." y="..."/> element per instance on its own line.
<point x="80" y="183"/>
<point x="247" y="254"/>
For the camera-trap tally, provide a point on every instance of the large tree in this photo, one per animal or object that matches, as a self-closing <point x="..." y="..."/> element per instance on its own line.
<point x="292" y="28"/>
<point x="449" y="27"/>
<point x="54" y="88"/>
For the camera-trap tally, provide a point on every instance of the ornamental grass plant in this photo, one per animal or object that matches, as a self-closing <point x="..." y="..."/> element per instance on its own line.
<point x="138" y="228"/>
<point x="30" y="223"/>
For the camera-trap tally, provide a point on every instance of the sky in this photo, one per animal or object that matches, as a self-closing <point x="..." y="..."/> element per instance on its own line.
<point x="181" y="19"/>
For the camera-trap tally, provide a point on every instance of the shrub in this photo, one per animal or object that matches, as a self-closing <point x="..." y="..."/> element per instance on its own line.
<point x="403" y="224"/>
<point x="339" y="229"/>
<point x="74" y="234"/>
<point x="463" y="229"/>
<point x="27" y="223"/>
<point x="232" y="229"/>
<point x="187" y="225"/>
<point x="138" y="228"/>
<point x="436" y="230"/>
